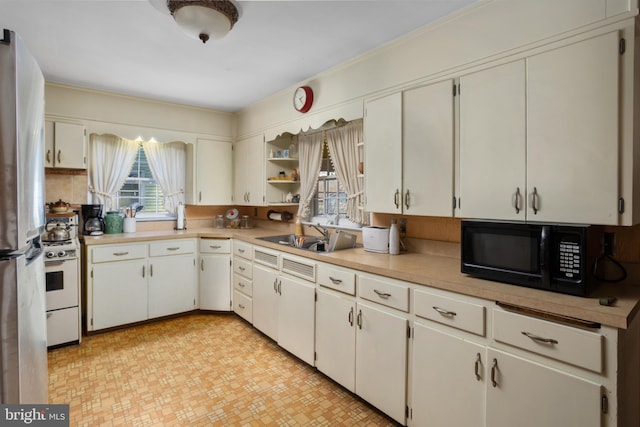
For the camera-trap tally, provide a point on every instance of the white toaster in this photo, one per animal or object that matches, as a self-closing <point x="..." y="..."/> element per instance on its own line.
<point x="376" y="239"/>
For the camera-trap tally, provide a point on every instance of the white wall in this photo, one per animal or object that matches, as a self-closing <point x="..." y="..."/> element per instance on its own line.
<point x="487" y="31"/>
<point x="131" y="117"/>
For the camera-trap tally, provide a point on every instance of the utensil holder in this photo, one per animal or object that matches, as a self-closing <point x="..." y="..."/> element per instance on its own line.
<point x="129" y="225"/>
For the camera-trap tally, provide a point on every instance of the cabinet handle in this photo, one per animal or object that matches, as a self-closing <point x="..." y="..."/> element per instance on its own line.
<point x="534" y="201"/>
<point x="476" y="367"/>
<point x="359" y="319"/>
<point x="383" y="295"/>
<point x="517" y="200"/>
<point x="248" y="196"/>
<point x="151" y="270"/>
<point x="396" y="196"/>
<point x="279" y="287"/>
<point x="407" y="199"/>
<point x="202" y="265"/>
<point x="215" y="246"/>
<point x="275" y="285"/>
<point x="120" y="253"/>
<point x="48" y="156"/>
<point x="241" y="284"/>
<point x="241" y="251"/>
<point x="241" y="306"/>
<point x="445" y="312"/>
<point x="199" y="196"/>
<point x="241" y="268"/>
<point x="173" y="248"/>
<point x="494" y="369"/>
<point x="335" y="281"/>
<point x="539" y="339"/>
<point x="351" y="316"/>
<point x="144" y="268"/>
<point x="59" y="156"/>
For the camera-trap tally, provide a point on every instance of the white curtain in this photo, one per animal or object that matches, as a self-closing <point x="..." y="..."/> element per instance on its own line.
<point x="167" y="163"/>
<point x="343" y="149"/>
<point x="310" y="156"/>
<point x="110" y="161"/>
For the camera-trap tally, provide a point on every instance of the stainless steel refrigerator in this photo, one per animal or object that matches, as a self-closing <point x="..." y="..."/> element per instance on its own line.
<point x="23" y="333"/>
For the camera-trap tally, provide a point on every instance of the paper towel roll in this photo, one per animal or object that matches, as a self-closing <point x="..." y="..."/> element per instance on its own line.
<point x="180" y="221"/>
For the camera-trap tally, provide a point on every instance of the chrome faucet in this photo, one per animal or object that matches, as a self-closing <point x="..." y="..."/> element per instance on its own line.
<point x="322" y="230"/>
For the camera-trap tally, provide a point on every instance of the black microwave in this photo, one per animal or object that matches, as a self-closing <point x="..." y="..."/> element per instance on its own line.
<point x="553" y="257"/>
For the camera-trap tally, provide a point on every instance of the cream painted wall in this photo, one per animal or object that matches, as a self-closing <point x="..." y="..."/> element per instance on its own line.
<point x="130" y="117"/>
<point x="487" y="31"/>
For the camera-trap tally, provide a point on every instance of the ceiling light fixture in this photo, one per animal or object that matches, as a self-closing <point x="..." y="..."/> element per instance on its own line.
<point x="201" y="19"/>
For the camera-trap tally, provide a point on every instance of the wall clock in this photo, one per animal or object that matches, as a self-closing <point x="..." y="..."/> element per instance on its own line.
<point x="302" y="99"/>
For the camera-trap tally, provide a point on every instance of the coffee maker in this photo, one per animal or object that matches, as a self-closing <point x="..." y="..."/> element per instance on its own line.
<point x="92" y="222"/>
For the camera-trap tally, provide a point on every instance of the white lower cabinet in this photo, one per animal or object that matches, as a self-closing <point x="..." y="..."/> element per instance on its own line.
<point x="381" y="360"/>
<point x="528" y="394"/>
<point x="448" y="379"/>
<point x="296" y="318"/>
<point x="265" y="300"/>
<point x="215" y="275"/>
<point x="336" y="338"/>
<point x="117" y="294"/>
<point x="130" y="283"/>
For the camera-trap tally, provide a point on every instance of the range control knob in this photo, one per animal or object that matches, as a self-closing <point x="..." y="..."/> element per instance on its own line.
<point x="50" y="254"/>
<point x="62" y="254"/>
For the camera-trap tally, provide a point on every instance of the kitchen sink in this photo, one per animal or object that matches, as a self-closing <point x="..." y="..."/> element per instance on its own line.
<point x="338" y="240"/>
<point x="310" y="242"/>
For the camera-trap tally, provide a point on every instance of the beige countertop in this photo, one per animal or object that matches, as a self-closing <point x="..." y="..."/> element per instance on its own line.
<point x="438" y="269"/>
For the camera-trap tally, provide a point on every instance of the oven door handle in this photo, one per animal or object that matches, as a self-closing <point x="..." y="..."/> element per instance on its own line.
<point x="55" y="262"/>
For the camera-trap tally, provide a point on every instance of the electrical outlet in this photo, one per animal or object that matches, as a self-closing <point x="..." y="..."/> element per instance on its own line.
<point x="402" y="224"/>
<point x="608" y="243"/>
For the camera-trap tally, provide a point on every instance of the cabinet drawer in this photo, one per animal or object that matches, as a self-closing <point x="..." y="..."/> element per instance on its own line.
<point x="242" y="284"/>
<point x="242" y="267"/>
<point x="118" y="253"/>
<point x="449" y="311"/>
<point x="242" y="249"/>
<point x="568" y="344"/>
<point x="172" y="247"/>
<point x="340" y="279"/>
<point x="243" y="305"/>
<point x="215" y="246"/>
<point x="393" y="294"/>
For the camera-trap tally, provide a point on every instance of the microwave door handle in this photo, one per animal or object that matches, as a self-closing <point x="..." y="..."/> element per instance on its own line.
<point x="545" y="236"/>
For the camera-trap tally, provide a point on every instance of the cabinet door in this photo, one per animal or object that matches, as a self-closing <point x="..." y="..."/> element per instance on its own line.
<point x="427" y="150"/>
<point x="118" y="293"/>
<point x="336" y="338"/>
<point x="215" y="282"/>
<point x="296" y="318"/>
<point x="492" y="143"/>
<point x="70" y="146"/>
<point x="172" y="285"/>
<point x="249" y="176"/>
<point x="572" y="140"/>
<point x="265" y="301"/>
<point x="383" y="154"/>
<point x="527" y="394"/>
<point x="213" y="172"/>
<point x="381" y="360"/>
<point x="49" y="147"/>
<point x="448" y="374"/>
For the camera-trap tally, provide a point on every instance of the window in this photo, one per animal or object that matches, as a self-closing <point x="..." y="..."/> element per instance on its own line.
<point x="330" y="198"/>
<point x="140" y="188"/>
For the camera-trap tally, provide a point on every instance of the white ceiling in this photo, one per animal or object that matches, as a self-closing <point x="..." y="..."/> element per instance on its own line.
<point x="129" y="47"/>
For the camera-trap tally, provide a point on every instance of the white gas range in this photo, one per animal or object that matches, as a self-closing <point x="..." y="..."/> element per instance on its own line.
<point x="62" y="268"/>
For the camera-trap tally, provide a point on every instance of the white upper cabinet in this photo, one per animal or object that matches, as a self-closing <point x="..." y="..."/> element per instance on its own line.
<point x="572" y="132"/>
<point x="539" y="137"/>
<point x="409" y="151"/>
<point x="211" y="178"/>
<point x="65" y="145"/>
<point x="248" y="168"/>
<point x="493" y="143"/>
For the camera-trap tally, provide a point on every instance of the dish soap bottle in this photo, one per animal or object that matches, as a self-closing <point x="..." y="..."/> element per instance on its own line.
<point x="394" y="238"/>
<point x="299" y="231"/>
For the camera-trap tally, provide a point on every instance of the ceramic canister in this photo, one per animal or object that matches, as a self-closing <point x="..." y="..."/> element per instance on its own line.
<point x="113" y="222"/>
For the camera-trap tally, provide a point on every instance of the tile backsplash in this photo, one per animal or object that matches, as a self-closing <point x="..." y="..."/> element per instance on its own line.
<point x="71" y="188"/>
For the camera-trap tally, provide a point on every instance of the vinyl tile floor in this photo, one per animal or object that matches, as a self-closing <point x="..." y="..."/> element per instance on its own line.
<point x="197" y="370"/>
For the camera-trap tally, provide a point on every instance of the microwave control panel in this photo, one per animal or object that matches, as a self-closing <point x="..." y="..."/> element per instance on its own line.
<point x="569" y="260"/>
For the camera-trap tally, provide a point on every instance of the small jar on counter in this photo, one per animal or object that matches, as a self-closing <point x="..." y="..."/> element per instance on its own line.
<point x="219" y="221"/>
<point x="245" y="222"/>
